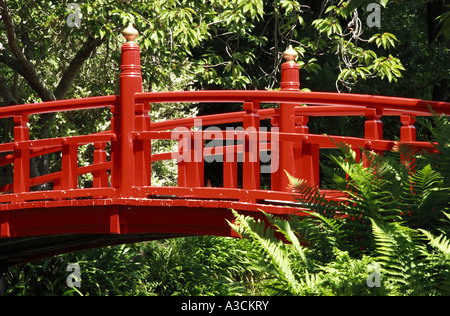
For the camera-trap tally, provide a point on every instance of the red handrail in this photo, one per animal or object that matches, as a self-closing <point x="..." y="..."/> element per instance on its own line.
<point x="59" y="106"/>
<point x="411" y="106"/>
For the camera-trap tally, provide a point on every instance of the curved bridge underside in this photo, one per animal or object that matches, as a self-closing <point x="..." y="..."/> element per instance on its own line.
<point x="46" y="228"/>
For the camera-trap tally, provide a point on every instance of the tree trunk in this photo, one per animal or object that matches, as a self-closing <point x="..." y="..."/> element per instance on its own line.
<point x="20" y="62"/>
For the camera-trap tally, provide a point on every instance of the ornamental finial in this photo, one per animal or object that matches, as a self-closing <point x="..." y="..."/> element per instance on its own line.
<point x="130" y="33"/>
<point x="290" y="54"/>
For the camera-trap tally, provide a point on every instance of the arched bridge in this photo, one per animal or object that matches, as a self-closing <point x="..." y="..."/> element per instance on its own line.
<point x="122" y="205"/>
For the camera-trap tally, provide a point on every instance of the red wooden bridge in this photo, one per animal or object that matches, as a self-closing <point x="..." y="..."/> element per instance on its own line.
<point x="123" y="206"/>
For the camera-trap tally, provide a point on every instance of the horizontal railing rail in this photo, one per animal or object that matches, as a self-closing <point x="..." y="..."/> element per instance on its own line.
<point x="58" y="106"/>
<point x="411" y="106"/>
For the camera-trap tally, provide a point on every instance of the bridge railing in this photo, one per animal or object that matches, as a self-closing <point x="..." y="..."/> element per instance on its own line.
<point x="306" y="146"/>
<point x="20" y="152"/>
<point x="127" y="174"/>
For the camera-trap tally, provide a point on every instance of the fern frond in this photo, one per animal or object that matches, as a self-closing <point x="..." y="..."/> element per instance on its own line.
<point x="400" y="252"/>
<point x="334" y="224"/>
<point x="438" y="262"/>
<point x="274" y="248"/>
<point x="285" y="228"/>
<point x="311" y="197"/>
<point x="439" y="127"/>
<point x="441" y="244"/>
<point x="423" y="197"/>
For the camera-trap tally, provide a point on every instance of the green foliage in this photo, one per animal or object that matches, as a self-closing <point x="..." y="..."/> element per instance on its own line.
<point x="183" y="266"/>
<point x="198" y="266"/>
<point x="104" y="271"/>
<point x="394" y="211"/>
<point x="444" y="21"/>
<point x="305" y="270"/>
<point x="279" y="253"/>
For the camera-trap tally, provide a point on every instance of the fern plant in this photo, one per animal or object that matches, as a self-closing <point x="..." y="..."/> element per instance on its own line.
<point x="279" y="252"/>
<point x="394" y="209"/>
<point x="301" y="270"/>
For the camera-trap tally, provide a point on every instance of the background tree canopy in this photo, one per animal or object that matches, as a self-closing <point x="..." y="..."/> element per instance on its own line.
<point x="228" y="44"/>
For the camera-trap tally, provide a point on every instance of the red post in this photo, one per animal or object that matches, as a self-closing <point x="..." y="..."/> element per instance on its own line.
<point x="275" y="154"/>
<point x="408" y="134"/>
<point x="407" y="131"/>
<point x="373" y="129"/>
<point x="191" y="169"/>
<point x="100" y="176"/>
<point x="69" y="165"/>
<point x="251" y="178"/>
<point x="21" y="155"/>
<point x="290" y="81"/>
<point x="230" y="168"/>
<point x="143" y="147"/>
<point x="124" y="173"/>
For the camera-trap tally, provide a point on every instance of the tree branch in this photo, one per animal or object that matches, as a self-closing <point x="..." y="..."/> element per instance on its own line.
<point x="12" y="63"/>
<point x="75" y="65"/>
<point x="29" y="71"/>
<point x="6" y="93"/>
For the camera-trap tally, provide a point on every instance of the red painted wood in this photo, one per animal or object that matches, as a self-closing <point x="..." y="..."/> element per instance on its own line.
<point x="21" y="155"/>
<point x="124" y="173"/>
<point x="251" y="178"/>
<point x="289" y="163"/>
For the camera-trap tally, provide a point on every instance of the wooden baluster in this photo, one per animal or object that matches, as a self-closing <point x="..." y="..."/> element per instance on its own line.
<point x="143" y="150"/>
<point x="196" y="170"/>
<point x="100" y="176"/>
<point x="275" y="157"/>
<point x="301" y="124"/>
<point x="183" y="146"/>
<point x="69" y="165"/>
<point x="230" y="170"/>
<point x="408" y="134"/>
<point x="373" y="129"/>
<point x="310" y="163"/>
<point x="407" y="131"/>
<point x="191" y="163"/>
<point x="306" y="155"/>
<point x="21" y="154"/>
<point x="115" y="146"/>
<point x="251" y="165"/>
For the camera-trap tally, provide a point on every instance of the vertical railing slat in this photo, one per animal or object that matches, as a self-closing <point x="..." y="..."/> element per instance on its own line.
<point x="373" y="130"/>
<point x="100" y="177"/>
<point x="143" y="150"/>
<point x="69" y="166"/>
<point x="21" y="154"/>
<point x="251" y="163"/>
<point x="230" y="169"/>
